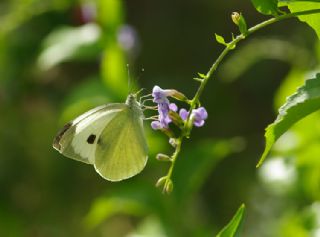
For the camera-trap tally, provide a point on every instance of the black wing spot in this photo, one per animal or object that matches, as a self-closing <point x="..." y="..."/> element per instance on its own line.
<point x="91" y="139"/>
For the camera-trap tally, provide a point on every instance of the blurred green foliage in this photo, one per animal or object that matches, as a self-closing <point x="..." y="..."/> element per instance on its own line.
<point x="59" y="58"/>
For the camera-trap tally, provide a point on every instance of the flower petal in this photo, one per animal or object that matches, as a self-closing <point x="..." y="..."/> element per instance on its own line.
<point x="202" y="113"/>
<point x="198" y="123"/>
<point x="173" y="107"/>
<point x="155" y="125"/>
<point x="183" y="114"/>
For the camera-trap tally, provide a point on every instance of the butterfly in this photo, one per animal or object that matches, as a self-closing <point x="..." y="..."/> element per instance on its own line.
<point x="110" y="137"/>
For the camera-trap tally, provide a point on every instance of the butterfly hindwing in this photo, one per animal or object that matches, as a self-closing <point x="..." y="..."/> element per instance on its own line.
<point x="121" y="150"/>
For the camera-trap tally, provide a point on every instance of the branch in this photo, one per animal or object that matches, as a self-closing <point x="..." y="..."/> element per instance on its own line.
<point x="230" y="46"/>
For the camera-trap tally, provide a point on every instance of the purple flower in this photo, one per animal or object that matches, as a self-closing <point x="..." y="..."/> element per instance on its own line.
<point x="183" y="114"/>
<point x="159" y="95"/>
<point x="127" y="37"/>
<point x="173" y="107"/>
<point x="164" y="119"/>
<point x="155" y="125"/>
<point x="88" y="12"/>
<point x="199" y="115"/>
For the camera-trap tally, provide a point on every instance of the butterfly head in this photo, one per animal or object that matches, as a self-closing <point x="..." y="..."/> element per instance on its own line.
<point x="132" y="98"/>
<point x="132" y="101"/>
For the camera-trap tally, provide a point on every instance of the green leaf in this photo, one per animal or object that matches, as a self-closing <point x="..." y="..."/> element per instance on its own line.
<point x="201" y="75"/>
<point x="70" y="43"/>
<point x="305" y="101"/>
<point x="266" y="7"/>
<point x="220" y="40"/>
<point x="234" y="226"/>
<point x="312" y="20"/>
<point x="243" y="25"/>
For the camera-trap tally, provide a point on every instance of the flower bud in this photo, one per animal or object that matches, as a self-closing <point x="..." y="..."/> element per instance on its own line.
<point x="235" y="16"/>
<point x="163" y="157"/>
<point x="168" y="186"/>
<point x="173" y="142"/>
<point x="178" y="95"/>
<point x="176" y="119"/>
<point x="161" y="181"/>
<point x="168" y="132"/>
<point x="239" y="20"/>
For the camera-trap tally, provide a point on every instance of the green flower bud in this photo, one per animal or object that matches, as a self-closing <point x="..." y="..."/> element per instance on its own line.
<point x="178" y="95"/>
<point x="176" y="119"/>
<point x="239" y="20"/>
<point x="168" y="186"/>
<point x="163" y="157"/>
<point x="235" y="16"/>
<point x="173" y="142"/>
<point x="161" y="181"/>
<point x="168" y="132"/>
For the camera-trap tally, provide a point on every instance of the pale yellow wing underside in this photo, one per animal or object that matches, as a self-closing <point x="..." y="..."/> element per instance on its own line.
<point x="121" y="150"/>
<point x="72" y="140"/>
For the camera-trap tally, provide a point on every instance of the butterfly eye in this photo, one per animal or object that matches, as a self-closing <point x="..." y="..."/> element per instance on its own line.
<point x="91" y="139"/>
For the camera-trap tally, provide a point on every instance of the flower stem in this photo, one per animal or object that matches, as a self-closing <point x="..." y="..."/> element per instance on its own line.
<point x="240" y="37"/>
<point x="173" y="160"/>
<point x="230" y="46"/>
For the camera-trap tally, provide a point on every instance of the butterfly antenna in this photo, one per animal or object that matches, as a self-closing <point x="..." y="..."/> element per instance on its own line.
<point x="129" y="80"/>
<point x="139" y="91"/>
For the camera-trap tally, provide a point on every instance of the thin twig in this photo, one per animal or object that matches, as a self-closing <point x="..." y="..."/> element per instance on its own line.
<point x="230" y="46"/>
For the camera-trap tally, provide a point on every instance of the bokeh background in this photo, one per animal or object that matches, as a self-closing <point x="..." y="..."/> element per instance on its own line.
<point x="59" y="58"/>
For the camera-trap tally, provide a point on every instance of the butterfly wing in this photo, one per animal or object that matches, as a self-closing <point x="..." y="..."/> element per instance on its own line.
<point x="122" y="150"/>
<point x="78" y="138"/>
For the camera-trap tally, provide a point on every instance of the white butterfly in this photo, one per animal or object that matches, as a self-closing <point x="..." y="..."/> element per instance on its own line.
<point x="110" y="137"/>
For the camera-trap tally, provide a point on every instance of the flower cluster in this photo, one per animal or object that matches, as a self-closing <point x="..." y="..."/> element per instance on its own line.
<point x="167" y="113"/>
<point x="164" y="106"/>
<point x="198" y="116"/>
<point x="160" y="96"/>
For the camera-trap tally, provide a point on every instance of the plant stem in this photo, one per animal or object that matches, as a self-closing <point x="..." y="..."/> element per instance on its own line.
<point x="240" y="37"/>
<point x="230" y="46"/>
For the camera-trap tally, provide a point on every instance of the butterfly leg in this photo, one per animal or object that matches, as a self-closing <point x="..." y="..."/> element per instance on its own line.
<point x="144" y="96"/>
<point x="155" y="117"/>
<point x="145" y="107"/>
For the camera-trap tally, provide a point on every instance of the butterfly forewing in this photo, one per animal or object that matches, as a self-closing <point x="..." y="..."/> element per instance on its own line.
<point x="121" y="150"/>
<point x="78" y="138"/>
